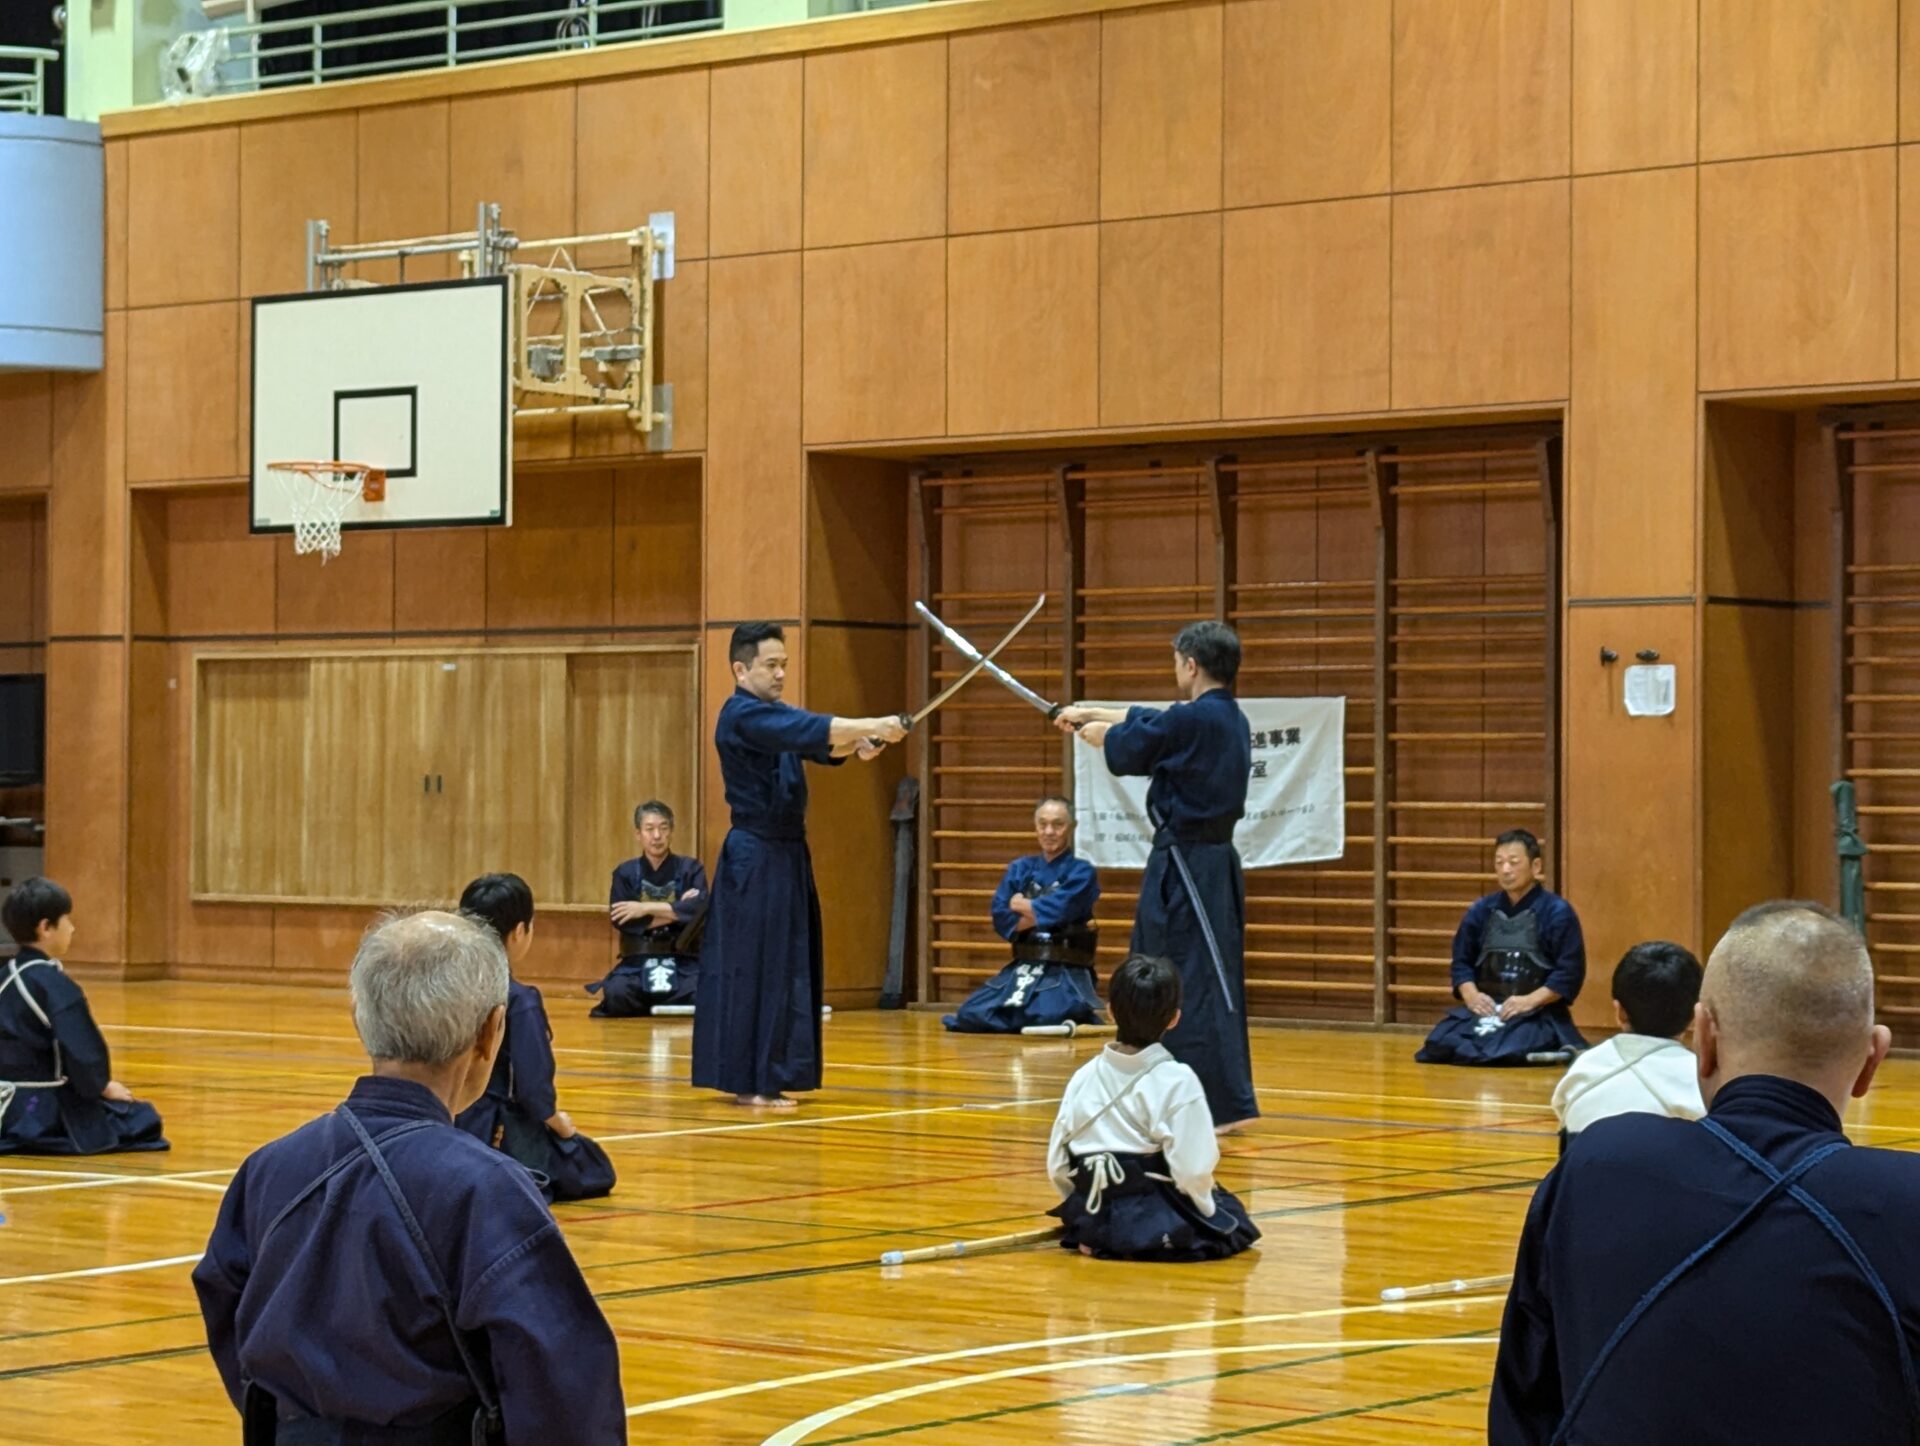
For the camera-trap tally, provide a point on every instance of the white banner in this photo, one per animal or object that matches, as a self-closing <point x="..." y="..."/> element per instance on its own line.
<point x="1296" y="799"/>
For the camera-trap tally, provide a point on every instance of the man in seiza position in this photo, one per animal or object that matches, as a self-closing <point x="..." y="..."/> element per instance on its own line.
<point x="1044" y="909"/>
<point x="756" y="1022"/>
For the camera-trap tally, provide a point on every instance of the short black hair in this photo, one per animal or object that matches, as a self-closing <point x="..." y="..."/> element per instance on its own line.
<point x="34" y="902"/>
<point x="1522" y="837"/>
<point x="1073" y="814"/>
<point x="1657" y="984"/>
<point x="747" y="639"/>
<point x="1214" y="646"/>
<point x="652" y="805"/>
<point x="1144" y="995"/>
<point x="503" y="902"/>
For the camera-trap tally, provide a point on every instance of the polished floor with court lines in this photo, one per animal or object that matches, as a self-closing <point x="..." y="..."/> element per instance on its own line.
<point x="737" y="1261"/>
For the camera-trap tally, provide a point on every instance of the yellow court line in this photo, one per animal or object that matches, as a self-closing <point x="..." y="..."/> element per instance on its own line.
<point x="102" y="1270"/>
<point x="907" y="1363"/>
<point x="793" y="1122"/>
<point x="800" y="1430"/>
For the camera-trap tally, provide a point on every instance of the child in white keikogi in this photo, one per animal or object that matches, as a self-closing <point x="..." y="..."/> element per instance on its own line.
<point x="1647" y="1068"/>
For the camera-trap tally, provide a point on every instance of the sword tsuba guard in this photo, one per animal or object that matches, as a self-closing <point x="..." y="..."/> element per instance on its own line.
<point x="906" y="721"/>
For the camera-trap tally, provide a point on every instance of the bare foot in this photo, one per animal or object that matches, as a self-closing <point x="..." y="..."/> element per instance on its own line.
<point x="1233" y="1127"/>
<point x="766" y="1102"/>
<point x="1087" y="1250"/>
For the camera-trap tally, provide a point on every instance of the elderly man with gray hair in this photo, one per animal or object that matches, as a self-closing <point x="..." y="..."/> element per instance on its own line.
<point x="379" y="1275"/>
<point x="1745" y="1277"/>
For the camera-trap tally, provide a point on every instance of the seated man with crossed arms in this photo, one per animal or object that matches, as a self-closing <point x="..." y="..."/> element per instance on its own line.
<point x="1044" y="908"/>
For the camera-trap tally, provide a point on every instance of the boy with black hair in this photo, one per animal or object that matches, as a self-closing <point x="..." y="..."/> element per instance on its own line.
<point x="1133" y="1148"/>
<point x="519" y="1114"/>
<point x="657" y="902"/>
<point x="1647" y="1069"/>
<point x="58" y="1095"/>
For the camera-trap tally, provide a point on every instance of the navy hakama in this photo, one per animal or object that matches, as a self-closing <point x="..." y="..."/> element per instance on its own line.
<point x="756" y="1023"/>
<point x="656" y="965"/>
<point x="1546" y="927"/>
<point x="1037" y="991"/>
<point x="54" y="1063"/>
<point x="1143" y="1216"/>
<point x="1789" y="1318"/>
<point x="325" y="1317"/>
<point x="512" y="1115"/>
<point x="1199" y="756"/>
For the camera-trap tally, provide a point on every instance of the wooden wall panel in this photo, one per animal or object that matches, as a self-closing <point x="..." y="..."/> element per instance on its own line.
<point x="1023" y="126"/>
<point x="1305" y="315"/>
<point x="569" y="952"/>
<point x="1635" y="84"/>
<point x="250" y="771"/>
<point x="356" y="825"/>
<point x="1747" y="504"/>
<point x="1160" y="320"/>
<point x="403" y="176"/>
<point x="86" y="791"/>
<point x="858" y="670"/>
<point x="23" y="582"/>
<point x="1309" y="99"/>
<point x="116" y="224"/>
<point x="517" y="149"/>
<point x="656" y="546"/>
<point x="1031" y="366"/>
<point x="151" y="822"/>
<point x="875" y="147"/>
<point x="641" y="147"/>
<point x="513" y="809"/>
<point x="1907" y="262"/>
<point x="756" y="127"/>
<point x="1160" y="118"/>
<point x="353" y="593"/>
<point x="1797" y="270"/>
<point x="857" y="533"/>
<point x="875" y="351"/>
<point x="219" y="578"/>
<point x="1480" y="91"/>
<point x="316" y="945"/>
<point x="1909" y="103"/>
<point x="1630" y="445"/>
<point x="751" y="528"/>
<point x="182" y="415"/>
<point x="292" y="172"/>
<point x="1781" y="75"/>
<point x="440" y="581"/>
<point x="26" y="425"/>
<point x="1629" y="871"/>
<point x="634" y="726"/>
<point x="554" y="567"/>
<point x="1746" y="747"/>
<point x="1481" y="293"/>
<point x="183" y="217"/>
<point x="1816" y="725"/>
<point x="87" y="508"/>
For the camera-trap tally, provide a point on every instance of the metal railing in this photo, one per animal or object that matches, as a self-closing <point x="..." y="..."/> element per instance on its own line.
<point x="402" y="35"/>
<point x="23" y="79"/>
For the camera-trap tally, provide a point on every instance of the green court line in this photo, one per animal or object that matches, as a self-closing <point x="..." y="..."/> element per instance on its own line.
<point x="127" y="1358"/>
<point x="112" y="1325"/>
<point x="1109" y="1393"/>
<point x="1288" y="1423"/>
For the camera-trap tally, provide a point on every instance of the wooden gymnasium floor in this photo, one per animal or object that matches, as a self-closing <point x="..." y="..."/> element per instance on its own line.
<point x="737" y="1259"/>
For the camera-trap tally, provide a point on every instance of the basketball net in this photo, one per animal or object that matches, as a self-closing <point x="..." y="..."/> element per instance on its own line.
<point x="319" y="493"/>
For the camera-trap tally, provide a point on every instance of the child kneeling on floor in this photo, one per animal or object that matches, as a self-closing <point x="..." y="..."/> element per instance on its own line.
<point x="1133" y="1149"/>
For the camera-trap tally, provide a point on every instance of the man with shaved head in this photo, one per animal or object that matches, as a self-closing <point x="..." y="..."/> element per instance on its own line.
<point x="1746" y="1277"/>
<point x="381" y="1276"/>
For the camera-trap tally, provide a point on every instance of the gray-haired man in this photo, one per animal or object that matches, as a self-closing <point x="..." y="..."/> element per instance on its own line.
<point x="380" y="1268"/>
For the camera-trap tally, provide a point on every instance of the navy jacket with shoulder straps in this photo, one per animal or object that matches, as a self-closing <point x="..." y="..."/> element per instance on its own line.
<point x="1775" y="1336"/>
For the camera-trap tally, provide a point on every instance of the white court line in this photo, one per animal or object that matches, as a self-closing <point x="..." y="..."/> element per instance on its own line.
<point x="907" y="1363"/>
<point x="794" y="1122"/>
<point x="101" y="1270"/>
<point x="800" y="1430"/>
<point x="188" y="1179"/>
<point x="57" y="1174"/>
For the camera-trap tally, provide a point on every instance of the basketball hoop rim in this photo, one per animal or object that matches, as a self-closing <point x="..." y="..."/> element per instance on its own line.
<point x="351" y="476"/>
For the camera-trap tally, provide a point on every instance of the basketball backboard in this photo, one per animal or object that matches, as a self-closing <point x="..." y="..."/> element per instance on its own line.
<point x="411" y="379"/>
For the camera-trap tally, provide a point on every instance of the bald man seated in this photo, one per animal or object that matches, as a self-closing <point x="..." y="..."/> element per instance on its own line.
<point x="1746" y="1277"/>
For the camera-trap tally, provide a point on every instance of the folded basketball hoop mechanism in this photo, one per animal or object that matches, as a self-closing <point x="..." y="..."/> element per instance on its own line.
<point x="319" y="494"/>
